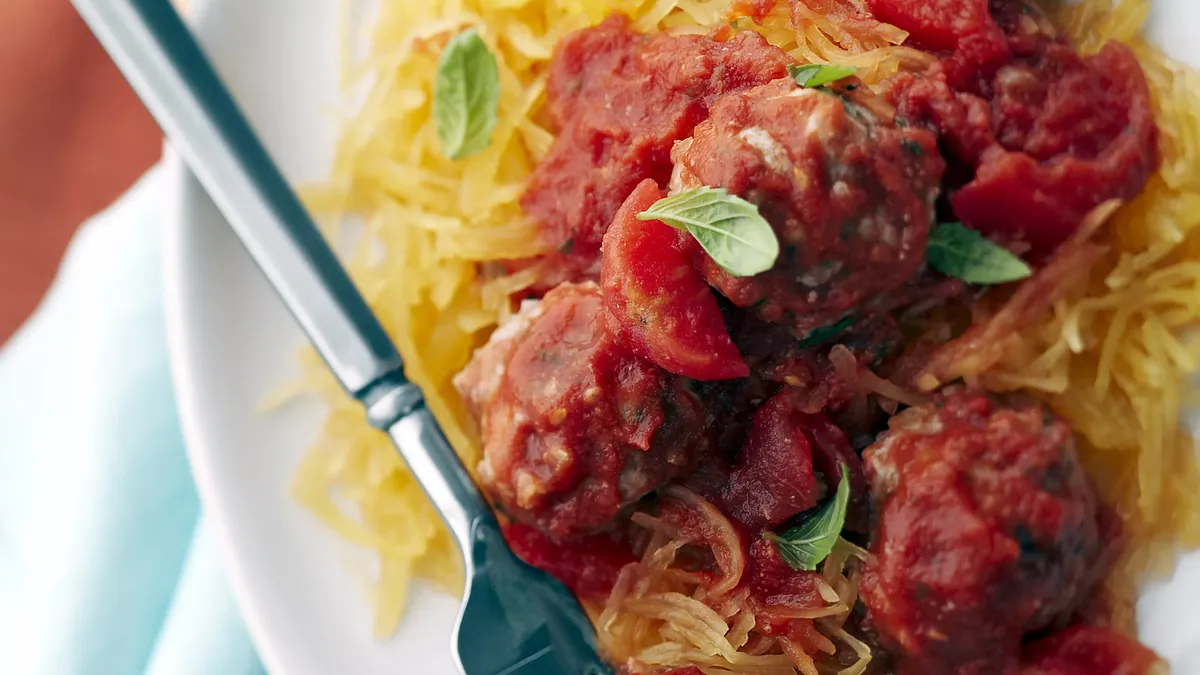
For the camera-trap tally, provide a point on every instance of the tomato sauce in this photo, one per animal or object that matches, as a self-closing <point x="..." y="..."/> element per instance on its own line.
<point x="587" y="564"/>
<point x="939" y="25"/>
<point x="776" y="588"/>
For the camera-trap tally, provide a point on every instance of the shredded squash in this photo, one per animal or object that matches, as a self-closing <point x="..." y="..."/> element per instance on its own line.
<point x="1113" y="355"/>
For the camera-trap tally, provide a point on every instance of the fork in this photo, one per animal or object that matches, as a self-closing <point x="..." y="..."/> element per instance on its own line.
<point x="514" y="619"/>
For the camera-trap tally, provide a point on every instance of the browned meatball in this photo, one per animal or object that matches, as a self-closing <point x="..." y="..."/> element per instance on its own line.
<point x="849" y="194"/>
<point x="620" y="100"/>
<point x="574" y="426"/>
<point x="988" y="528"/>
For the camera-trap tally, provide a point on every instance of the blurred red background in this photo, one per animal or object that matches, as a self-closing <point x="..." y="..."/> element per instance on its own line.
<point x="72" y="138"/>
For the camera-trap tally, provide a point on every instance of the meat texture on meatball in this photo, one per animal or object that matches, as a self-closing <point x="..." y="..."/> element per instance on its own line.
<point x="849" y="194"/>
<point x="988" y="528"/>
<point x="620" y="100"/>
<point x="574" y="426"/>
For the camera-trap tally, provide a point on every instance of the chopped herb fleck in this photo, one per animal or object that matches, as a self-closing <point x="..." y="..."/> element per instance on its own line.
<point x="1025" y="540"/>
<point x="823" y="334"/>
<point x="914" y="148"/>
<point x="790" y="253"/>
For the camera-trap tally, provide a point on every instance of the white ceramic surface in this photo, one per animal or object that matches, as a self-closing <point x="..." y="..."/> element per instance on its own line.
<point x="303" y="591"/>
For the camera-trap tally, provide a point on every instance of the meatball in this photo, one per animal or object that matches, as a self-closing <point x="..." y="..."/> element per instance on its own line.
<point x="620" y="100"/>
<point x="849" y="194"/>
<point x="574" y="426"/>
<point x="988" y="528"/>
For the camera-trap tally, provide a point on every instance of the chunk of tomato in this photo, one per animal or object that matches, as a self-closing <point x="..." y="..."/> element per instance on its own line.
<point x="1093" y="139"/>
<point x="832" y="454"/>
<point x="656" y="302"/>
<point x="772" y="479"/>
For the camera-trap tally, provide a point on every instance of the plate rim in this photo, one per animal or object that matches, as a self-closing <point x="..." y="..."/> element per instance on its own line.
<point x="182" y="188"/>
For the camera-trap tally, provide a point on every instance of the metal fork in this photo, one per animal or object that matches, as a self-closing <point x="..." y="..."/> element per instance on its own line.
<point x="514" y="619"/>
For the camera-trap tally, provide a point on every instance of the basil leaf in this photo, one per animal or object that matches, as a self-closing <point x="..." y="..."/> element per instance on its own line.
<point x="814" y="75"/>
<point x="822" y="334"/>
<point x="965" y="254"/>
<point x="804" y="546"/>
<point x="466" y="95"/>
<point x="729" y="228"/>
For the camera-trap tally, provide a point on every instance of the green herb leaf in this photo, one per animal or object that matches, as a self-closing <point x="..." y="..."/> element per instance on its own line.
<point x="823" y="334"/>
<point x="804" y="547"/>
<point x="729" y="228"/>
<point x="815" y="75"/>
<point x="965" y="254"/>
<point x="466" y="94"/>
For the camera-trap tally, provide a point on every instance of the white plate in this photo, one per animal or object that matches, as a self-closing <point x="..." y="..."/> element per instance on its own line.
<point x="302" y="590"/>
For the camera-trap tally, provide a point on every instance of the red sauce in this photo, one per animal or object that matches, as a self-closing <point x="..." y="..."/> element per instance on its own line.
<point x="776" y="592"/>
<point x="621" y="100"/>
<point x="776" y="588"/>
<point x="587" y="564"/>
<point x="1046" y="135"/>
<point x="832" y="455"/>
<point x="775" y="474"/>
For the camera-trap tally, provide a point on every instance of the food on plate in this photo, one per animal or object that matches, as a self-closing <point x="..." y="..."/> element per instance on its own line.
<point x="986" y="524"/>
<point x="849" y="194"/>
<point x="816" y="336"/>
<point x="576" y="426"/>
<point x="656" y="301"/>
<point x="621" y="99"/>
